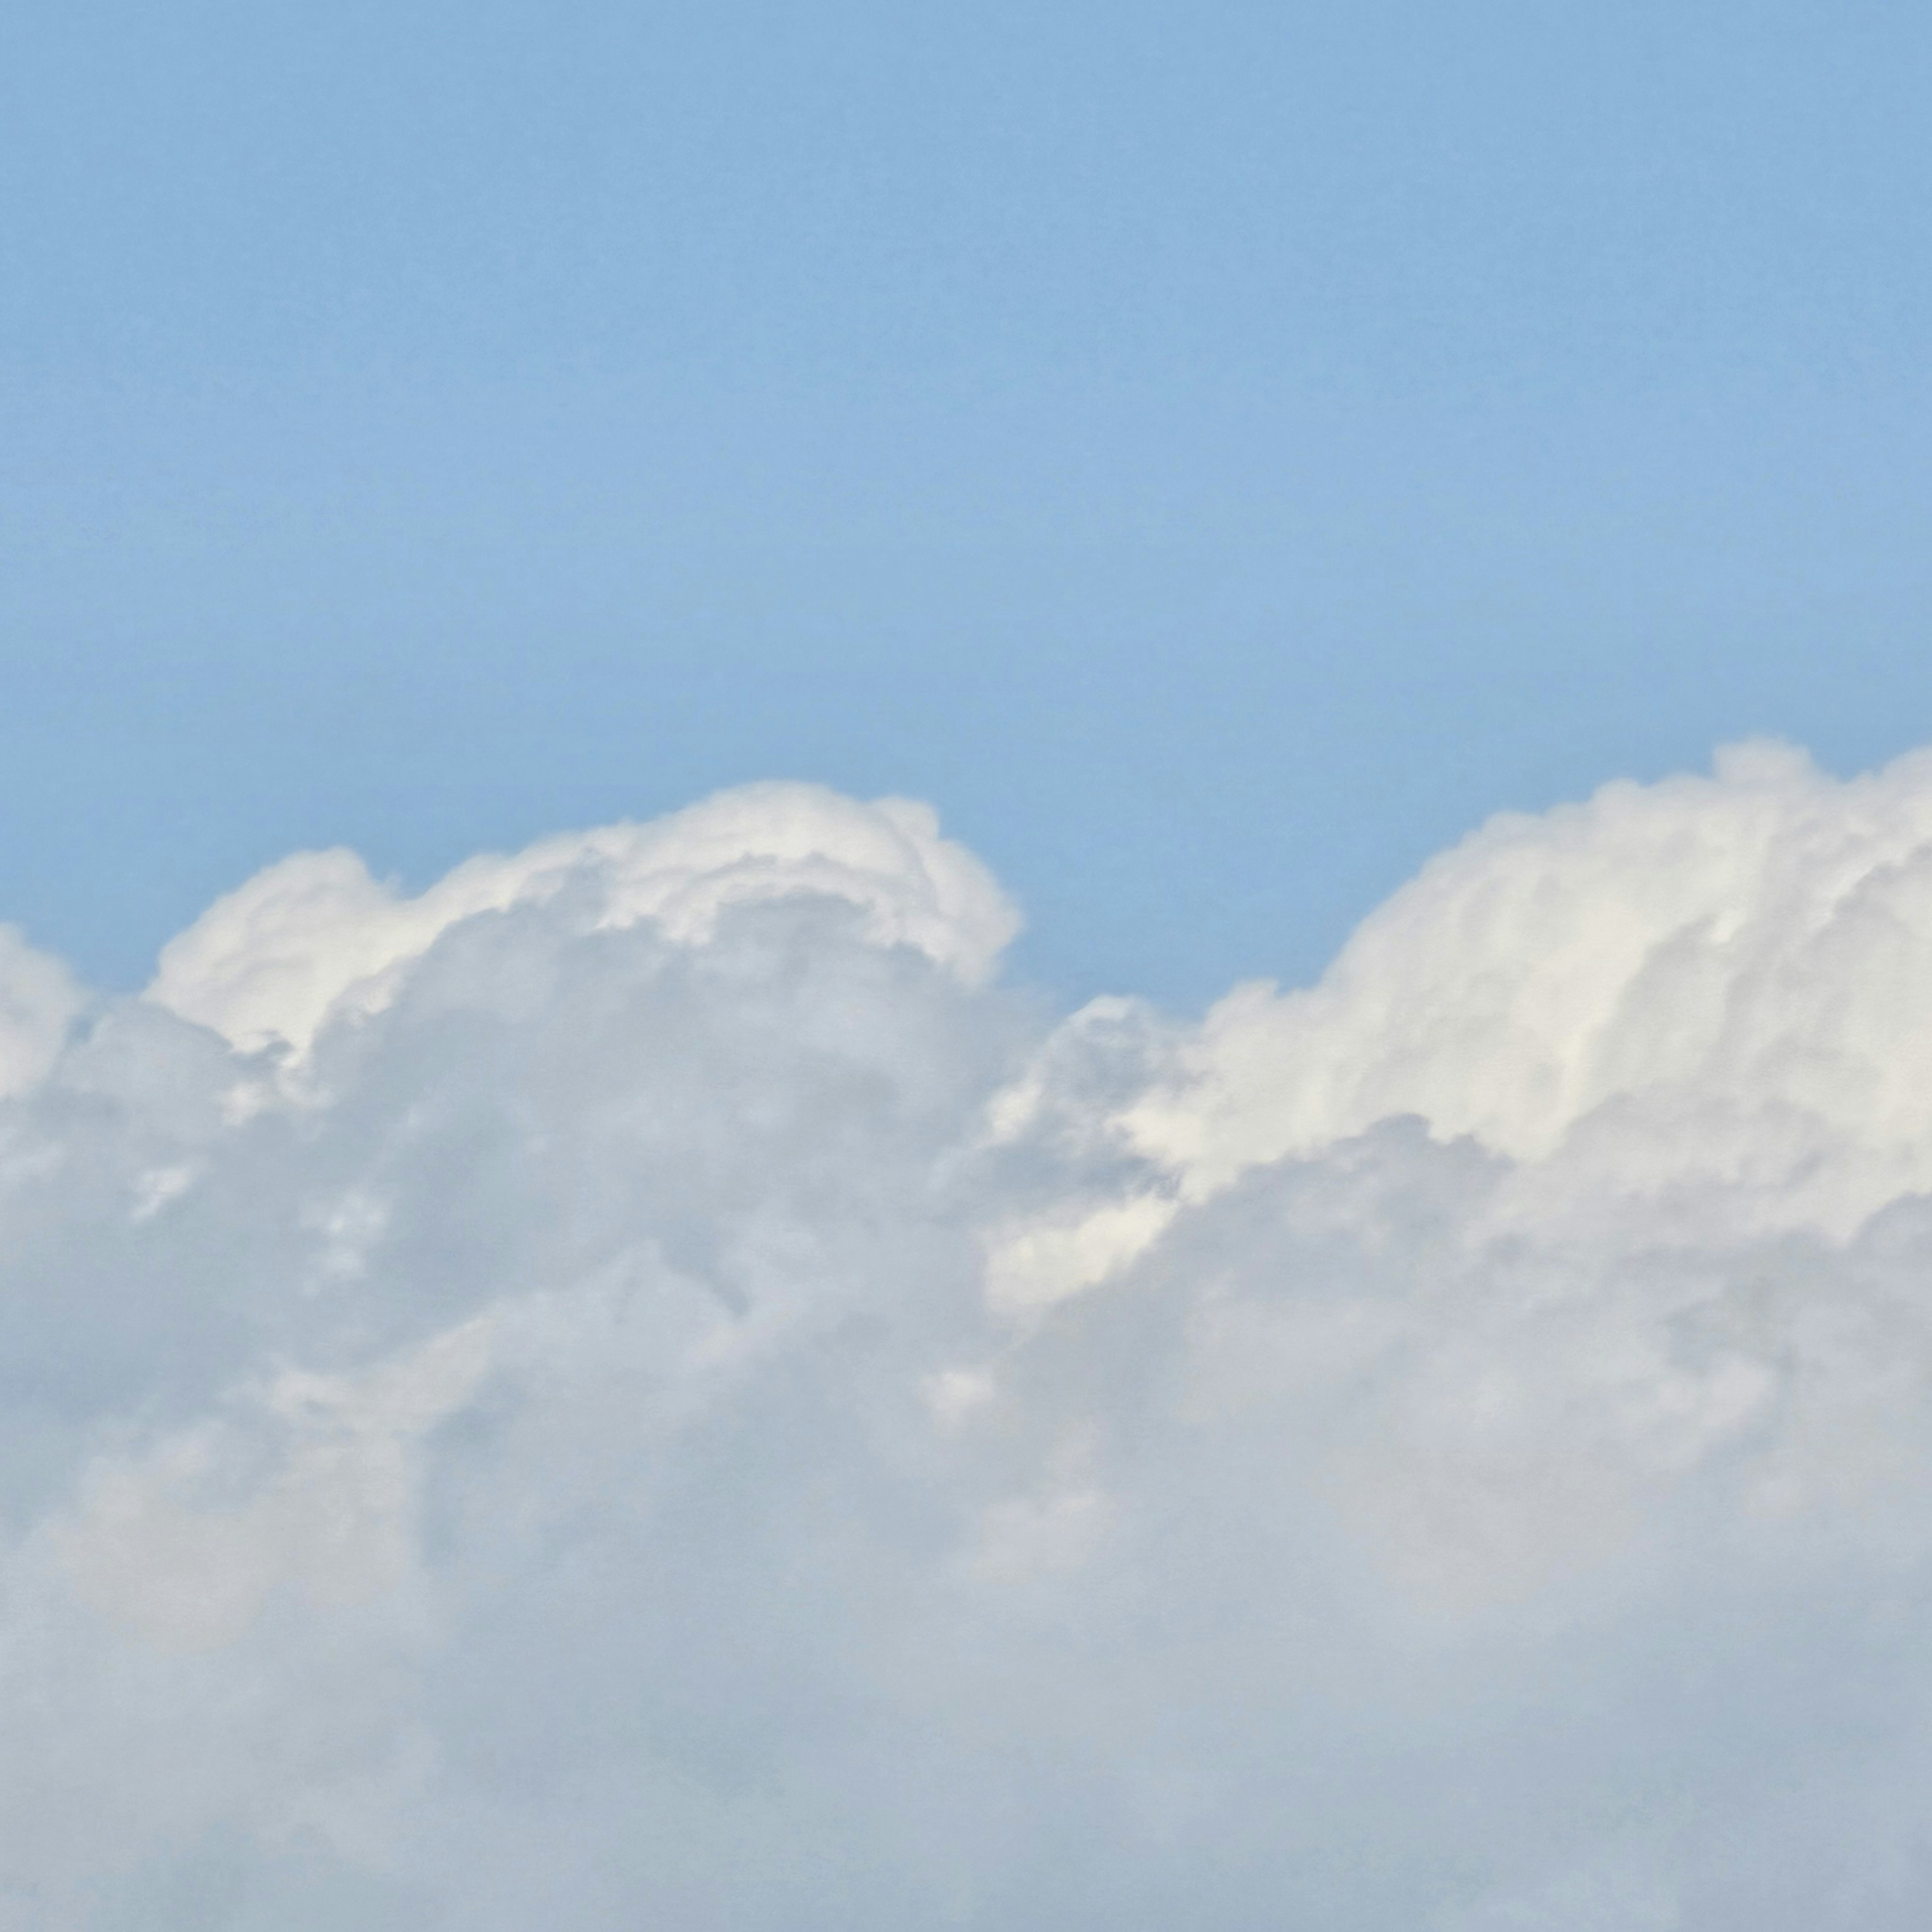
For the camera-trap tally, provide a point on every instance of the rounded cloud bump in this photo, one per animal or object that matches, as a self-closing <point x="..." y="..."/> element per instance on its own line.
<point x="315" y="936"/>
<point x="699" y="1409"/>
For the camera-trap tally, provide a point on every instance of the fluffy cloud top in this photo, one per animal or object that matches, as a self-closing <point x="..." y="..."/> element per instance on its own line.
<point x="315" y="937"/>
<point x="642" y="1387"/>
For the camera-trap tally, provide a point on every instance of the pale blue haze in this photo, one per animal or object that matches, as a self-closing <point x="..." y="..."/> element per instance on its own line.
<point x="1218" y="453"/>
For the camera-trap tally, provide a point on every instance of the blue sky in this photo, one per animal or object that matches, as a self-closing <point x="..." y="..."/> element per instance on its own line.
<point x="1217" y="453"/>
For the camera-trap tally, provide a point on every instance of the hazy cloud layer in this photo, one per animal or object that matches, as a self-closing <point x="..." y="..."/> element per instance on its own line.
<point x="642" y="1387"/>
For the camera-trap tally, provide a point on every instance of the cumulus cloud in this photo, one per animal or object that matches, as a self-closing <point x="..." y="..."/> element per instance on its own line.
<point x="39" y="1001"/>
<point x="643" y="1385"/>
<point x="315" y="937"/>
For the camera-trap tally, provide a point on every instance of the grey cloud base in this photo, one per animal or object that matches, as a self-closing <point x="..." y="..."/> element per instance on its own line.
<point x="650" y="1390"/>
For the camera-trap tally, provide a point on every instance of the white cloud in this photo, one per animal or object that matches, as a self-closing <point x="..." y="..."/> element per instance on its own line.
<point x="691" y="1410"/>
<point x="39" y="1000"/>
<point x="315" y="937"/>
